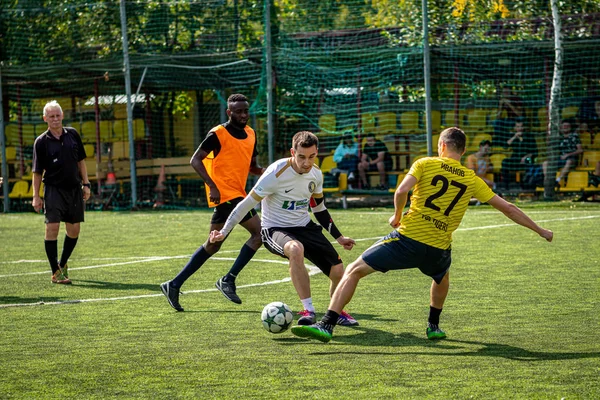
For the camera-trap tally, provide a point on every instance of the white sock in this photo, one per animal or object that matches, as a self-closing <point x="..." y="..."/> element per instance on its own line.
<point x="308" y="305"/>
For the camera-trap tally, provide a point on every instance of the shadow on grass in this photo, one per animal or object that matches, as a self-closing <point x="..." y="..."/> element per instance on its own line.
<point x="27" y="300"/>
<point x="448" y="347"/>
<point x="88" y="284"/>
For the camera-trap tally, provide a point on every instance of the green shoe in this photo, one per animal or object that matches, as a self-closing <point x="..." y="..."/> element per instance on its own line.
<point x="319" y="331"/>
<point x="434" y="332"/>
<point x="65" y="270"/>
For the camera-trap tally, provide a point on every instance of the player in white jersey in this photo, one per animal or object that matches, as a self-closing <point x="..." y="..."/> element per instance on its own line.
<point x="287" y="189"/>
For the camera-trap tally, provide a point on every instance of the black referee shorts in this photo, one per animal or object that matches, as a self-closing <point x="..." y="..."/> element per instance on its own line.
<point x="63" y="205"/>
<point x="399" y="252"/>
<point x="317" y="249"/>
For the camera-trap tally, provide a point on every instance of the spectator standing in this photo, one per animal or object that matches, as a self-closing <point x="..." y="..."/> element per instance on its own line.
<point x="59" y="162"/>
<point x="510" y="109"/>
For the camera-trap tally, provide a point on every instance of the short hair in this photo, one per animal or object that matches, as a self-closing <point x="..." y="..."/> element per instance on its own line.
<point x="454" y="138"/>
<point x="52" y="104"/>
<point x="234" y="98"/>
<point x="370" y="134"/>
<point x="485" y="143"/>
<point x="569" y="120"/>
<point x="305" y="139"/>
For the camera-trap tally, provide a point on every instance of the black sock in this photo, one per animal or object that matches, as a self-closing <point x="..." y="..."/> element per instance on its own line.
<point x="52" y="253"/>
<point x="246" y="254"/>
<point x="330" y="318"/>
<point x="434" y="315"/>
<point x="198" y="258"/>
<point x="68" y="247"/>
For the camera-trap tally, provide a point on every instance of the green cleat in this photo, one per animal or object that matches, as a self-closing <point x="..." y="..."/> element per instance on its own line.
<point x="434" y="332"/>
<point x="319" y="331"/>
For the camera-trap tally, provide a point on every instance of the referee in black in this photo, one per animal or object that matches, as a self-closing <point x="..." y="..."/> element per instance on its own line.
<point x="59" y="156"/>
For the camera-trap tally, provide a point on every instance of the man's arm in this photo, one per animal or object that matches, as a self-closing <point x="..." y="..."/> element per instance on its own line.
<point x="515" y="214"/>
<point x="37" y="200"/>
<point x="236" y="216"/>
<point x="400" y="199"/>
<point x="322" y="215"/>
<point x="196" y="162"/>
<point x="87" y="191"/>
<point x="256" y="169"/>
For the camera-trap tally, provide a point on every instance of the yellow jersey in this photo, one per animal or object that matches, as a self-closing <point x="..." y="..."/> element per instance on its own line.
<point x="440" y="199"/>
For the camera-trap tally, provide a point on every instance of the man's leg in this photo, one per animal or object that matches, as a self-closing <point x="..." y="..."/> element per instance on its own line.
<point x="226" y="284"/>
<point x="565" y="170"/>
<point x="344" y="292"/>
<point x="381" y="170"/>
<point x="51" y="246"/>
<point x="294" y="251"/>
<point x="69" y="245"/>
<point x="438" y="294"/>
<point x="362" y="168"/>
<point x="171" y="288"/>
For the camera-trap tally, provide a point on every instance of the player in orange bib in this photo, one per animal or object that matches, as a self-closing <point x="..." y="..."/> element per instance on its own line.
<point x="422" y="237"/>
<point x="224" y="159"/>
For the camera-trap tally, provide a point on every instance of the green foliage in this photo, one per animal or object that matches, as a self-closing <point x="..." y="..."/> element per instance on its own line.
<point x="520" y="316"/>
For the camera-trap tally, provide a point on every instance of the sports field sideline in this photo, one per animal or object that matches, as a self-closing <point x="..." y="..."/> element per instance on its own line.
<point x="520" y="315"/>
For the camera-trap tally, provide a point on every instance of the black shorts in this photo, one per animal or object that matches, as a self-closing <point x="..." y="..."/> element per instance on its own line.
<point x="63" y="205"/>
<point x="317" y="249"/>
<point x="223" y="210"/>
<point x="399" y="252"/>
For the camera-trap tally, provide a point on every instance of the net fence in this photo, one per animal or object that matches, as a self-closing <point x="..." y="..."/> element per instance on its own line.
<point x="338" y="67"/>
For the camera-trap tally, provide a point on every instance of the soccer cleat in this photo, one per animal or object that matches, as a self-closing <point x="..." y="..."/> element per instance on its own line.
<point x="346" y="319"/>
<point x="172" y="295"/>
<point x="307" y="317"/>
<point x="59" y="277"/>
<point x="434" y="332"/>
<point x="65" y="270"/>
<point x="320" y="331"/>
<point x="228" y="290"/>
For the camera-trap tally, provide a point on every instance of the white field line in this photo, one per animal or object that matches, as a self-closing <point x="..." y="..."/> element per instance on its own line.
<point x="312" y="269"/>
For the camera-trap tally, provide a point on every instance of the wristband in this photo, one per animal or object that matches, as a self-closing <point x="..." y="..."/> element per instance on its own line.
<point x="87" y="185"/>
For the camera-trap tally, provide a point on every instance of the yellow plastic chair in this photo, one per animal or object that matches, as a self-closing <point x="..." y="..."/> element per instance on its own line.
<point x="327" y="123"/>
<point x="11" y="154"/>
<point x="477" y="118"/>
<point x="386" y="123"/>
<point x="590" y="158"/>
<point x="367" y="122"/>
<point x="474" y="142"/>
<point x="576" y="181"/>
<point x="569" y="112"/>
<point x="496" y="160"/>
<point x="120" y="150"/>
<point x="409" y="122"/>
<point x="436" y="121"/>
<point x="19" y="190"/>
<point x="328" y="164"/>
<point x="139" y="129"/>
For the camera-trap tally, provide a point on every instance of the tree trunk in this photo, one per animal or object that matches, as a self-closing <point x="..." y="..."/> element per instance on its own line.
<point x="553" y="107"/>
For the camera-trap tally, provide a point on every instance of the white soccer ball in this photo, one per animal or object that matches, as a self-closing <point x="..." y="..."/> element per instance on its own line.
<point x="276" y="317"/>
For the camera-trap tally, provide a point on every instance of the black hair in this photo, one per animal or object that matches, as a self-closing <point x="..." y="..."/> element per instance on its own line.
<point x="234" y="98"/>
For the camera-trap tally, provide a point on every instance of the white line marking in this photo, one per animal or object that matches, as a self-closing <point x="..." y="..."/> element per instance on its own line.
<point x="312" y="269"/>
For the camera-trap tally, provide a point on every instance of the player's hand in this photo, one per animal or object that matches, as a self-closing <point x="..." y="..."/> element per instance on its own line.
<point x="394" y="221"/>
<point x="87" y="193"/>
<point x="37" y="204"/>
<point x="214" y="195"/>
<point x="346" y="242"/>
<point x="216" y="236"/>
<point x="547" y="234"/>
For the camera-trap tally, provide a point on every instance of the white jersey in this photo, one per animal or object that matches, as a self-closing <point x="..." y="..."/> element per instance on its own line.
<point x="286" y="194"/>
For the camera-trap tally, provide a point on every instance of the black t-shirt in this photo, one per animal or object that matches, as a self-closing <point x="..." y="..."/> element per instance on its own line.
<point x="58" y="159"/>
<point x="373" y="151"/>
<point x="211" y="142"/>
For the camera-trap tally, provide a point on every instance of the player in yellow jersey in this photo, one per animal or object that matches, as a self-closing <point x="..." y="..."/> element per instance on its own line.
<point x="422" y="237"/>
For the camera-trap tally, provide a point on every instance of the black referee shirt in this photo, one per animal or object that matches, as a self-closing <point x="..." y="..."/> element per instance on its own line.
<point x="58" y="158"/>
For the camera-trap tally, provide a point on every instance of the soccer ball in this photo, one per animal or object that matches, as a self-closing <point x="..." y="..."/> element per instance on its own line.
<point x="276" y="317"/>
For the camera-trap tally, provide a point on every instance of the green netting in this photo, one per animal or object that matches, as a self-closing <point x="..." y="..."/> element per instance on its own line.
<point x="353" y="66"/>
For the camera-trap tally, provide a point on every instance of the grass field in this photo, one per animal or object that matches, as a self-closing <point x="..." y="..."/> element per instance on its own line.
<point x="521" y="317"/>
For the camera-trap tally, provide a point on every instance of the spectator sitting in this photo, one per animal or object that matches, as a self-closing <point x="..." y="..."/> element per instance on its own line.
<point x="346" y="156"/>
<point x="569" y="147"/>
<point x="594" y="177"/>
<point x="510" y="109"/>
<point x="374" y="157"/>
<point x="524" y="151"/>
<point x="480" y="162"/>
